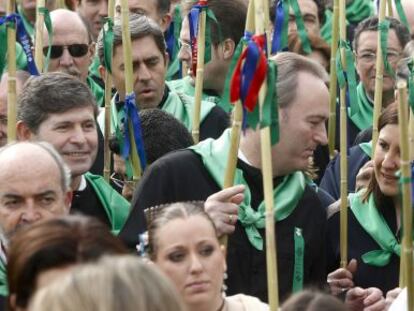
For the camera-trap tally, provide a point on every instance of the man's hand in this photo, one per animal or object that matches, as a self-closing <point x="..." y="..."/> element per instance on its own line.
<point x="340" y="280"/>
<point x="364" y="176"/>
<point x="223" y="207"/>
<point x="370" y="299"/>
<point x="391" y="296"/>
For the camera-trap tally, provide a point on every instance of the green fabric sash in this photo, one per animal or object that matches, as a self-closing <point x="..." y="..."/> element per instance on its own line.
<point x="21" y="60"/>
<point x="363" y="118"/>
<point x="178" y="104"/>
<point x="375" y="225"/>
<point x="287" y="194"/>
<point x="94" y="67"/>
<point x="4" y="288"/>
<point x="367" y="148"/>
<point x="116" y="206"/>
<point x="359" y="10"/>
<point x="97" y="91"/>
<point x="185" y="86"/>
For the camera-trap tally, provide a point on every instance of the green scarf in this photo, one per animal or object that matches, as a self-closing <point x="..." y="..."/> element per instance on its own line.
<point x="185" y="86"/>
<point x="375" y="225"/>
<point x="179" y="105"/>
<point x="359" y="10"/>
<point x="94" y="67"/>
<point x="363" y="118"/>
<point x="97" y="91"/>
<point x="287" y="194"/>
<point x="116" y="206"/>
<point x="4" y="288"/>
<point x="367" y="148"/>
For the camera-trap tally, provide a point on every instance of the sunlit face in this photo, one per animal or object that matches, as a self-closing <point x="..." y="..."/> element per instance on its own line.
<point x="309" y="11"/>
<point x="73" y="134"/>
<point x="189" y="253"/>
<point x="149" y="68"/>
<point x="67" y="32"/>
<point x="302" y="125"/>
<point x="93" y="11"/>
<point x="387" y="159"/>
<point x="214" y="71"/>
<point x="30" y="191"/>
<point x="366" y="59"/>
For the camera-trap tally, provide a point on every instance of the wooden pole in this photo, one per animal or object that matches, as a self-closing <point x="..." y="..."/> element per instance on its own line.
<point x="126" y="45"/>
<point x="108" y="98"/>
<point x="407" y="246"/>
<point x="333" y="80"/>
<point x="343" y="149"/>
<point x="389" y="6"/>
<point x="11" y="82"/>
<point x="236" y="126"/>
<point x="40" y="22"/>
<point x="379" y="79"/>
<point x="201" y="40"/>
<point x="267" y="172"/>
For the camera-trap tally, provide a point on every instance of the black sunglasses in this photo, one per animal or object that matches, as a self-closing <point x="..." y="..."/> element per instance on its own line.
<point x="75" y="50"/>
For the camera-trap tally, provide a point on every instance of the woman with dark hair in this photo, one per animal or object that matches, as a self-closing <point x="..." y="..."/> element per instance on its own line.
<point x="374" y="220"/>
<point x="47" y="250"/>
<point x="183" y="244"/>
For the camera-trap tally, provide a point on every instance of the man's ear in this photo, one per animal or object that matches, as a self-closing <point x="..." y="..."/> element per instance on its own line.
<point x="68" y="201"/>
<point x="165" y="22"/>
<point x="167" y="59"/>
<point x="229" y="46"/>
<point x="23" y="132"/>
<point x="102" y="71"/>
<point x="92" y="48"/>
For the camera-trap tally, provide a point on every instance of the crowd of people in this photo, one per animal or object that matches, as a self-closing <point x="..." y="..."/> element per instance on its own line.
<point x="72" y="240"/>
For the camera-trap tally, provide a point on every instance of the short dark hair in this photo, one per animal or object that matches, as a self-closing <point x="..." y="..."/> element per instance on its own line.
<point x="312" y="300"/>
<point x="55" y="243"/>
<point x="50" y="93"/>
<point x="321" y="5"/>
<point x="163" y="6"/>
<point x="140" y="26"/>
<point x="231" y="17"/>
<point x="161" y="133"/>
<point x="371" y="24"/>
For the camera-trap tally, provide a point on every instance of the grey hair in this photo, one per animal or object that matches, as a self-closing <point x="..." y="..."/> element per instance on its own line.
<point x="140" y="26"/>
<point x="289" y="65"/>
<point x="65" y="174"/>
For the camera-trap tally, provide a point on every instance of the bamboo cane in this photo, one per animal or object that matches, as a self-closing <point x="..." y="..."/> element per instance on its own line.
<point x="407" y="247"/>
<point x="201" y="40"/>
<point x="108" y="95"/>
<point x="267" y="172"/>
<point x="126" y="44"/>
<point x="389" y="6"/>
<point x="343" y="149"/>
<point x="411" y="135"/>
<point x="333" y="80"/>
<point x="379" y="79"/>
<point x="11" y="82"/>
<point x="236" y="126"/>
<point x="40" y="21"/>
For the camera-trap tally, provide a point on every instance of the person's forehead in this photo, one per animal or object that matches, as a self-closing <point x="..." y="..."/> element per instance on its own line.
<point x="368" y="40"/>
<point x="79" y="114"/>
<point x="72" y="30"/>
<point x="307" y="7"/>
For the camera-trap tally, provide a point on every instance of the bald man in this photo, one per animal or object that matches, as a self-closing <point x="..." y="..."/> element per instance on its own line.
<point x="21" y="78"/>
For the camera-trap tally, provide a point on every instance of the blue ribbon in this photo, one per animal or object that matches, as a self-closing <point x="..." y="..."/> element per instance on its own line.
<point x="24" y="40"/>
<point x="170" y="40"/>
<point x="278" y="27"/>
<point x="131" y="113"/>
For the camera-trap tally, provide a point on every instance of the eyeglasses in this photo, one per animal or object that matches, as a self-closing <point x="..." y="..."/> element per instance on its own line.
<point x="184" y="45"/>
<point x="370" y="57"/>
<point x="120" y="183"/>
<point x="75" y="50"/>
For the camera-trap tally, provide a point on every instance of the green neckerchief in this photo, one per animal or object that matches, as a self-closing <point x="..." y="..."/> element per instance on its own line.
<point x="97" y="91"/>
<point x="362" y="119"/>
<point x="4" y="288"/>
<point x="116" y="206"/>
<point x="94" y="67"/>
<point x="358" y="10"/>
<point x="375" y="225"/>
<point x="179" y="105"/>
<point x="185" y="86"/>
<point x="27" y="25"/>
<point x="367" y="148"/>
<point x="287" y="194"/>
